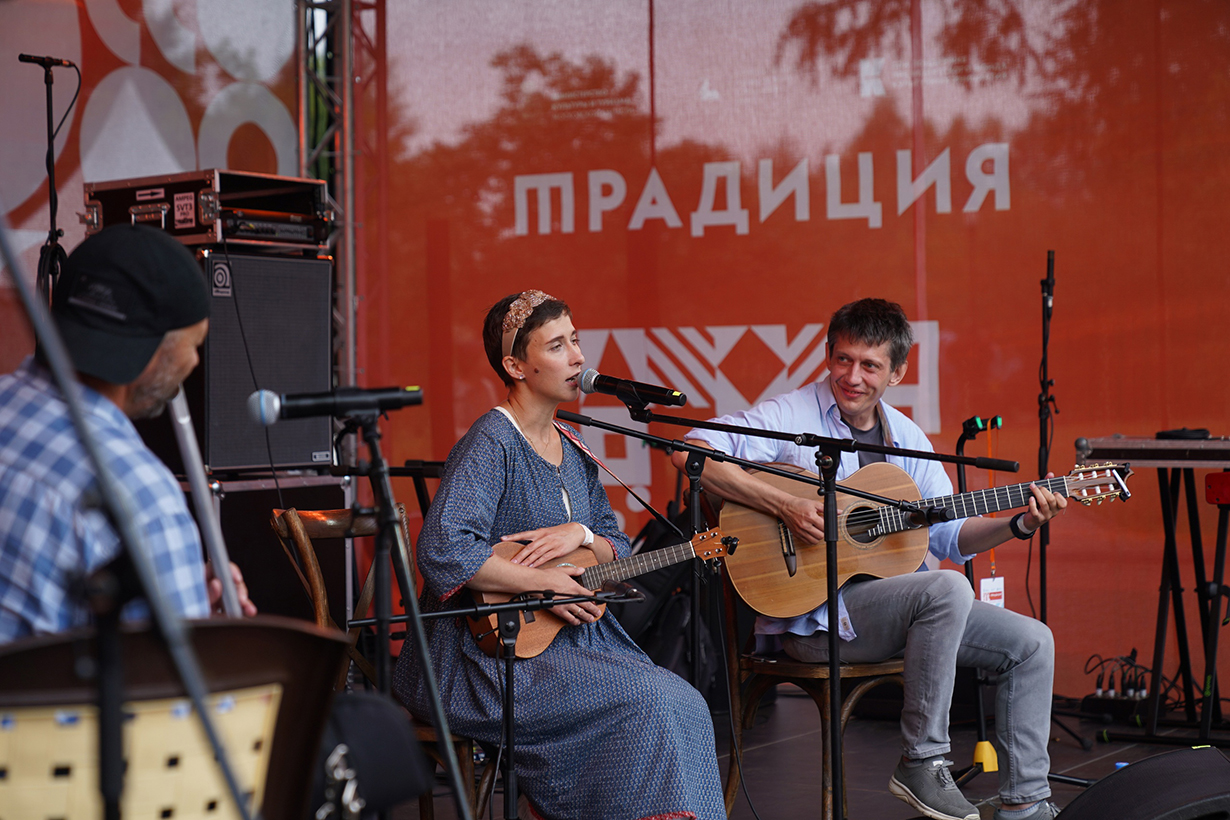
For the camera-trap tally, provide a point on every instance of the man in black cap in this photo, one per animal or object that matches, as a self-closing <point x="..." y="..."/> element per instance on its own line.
<point x="132" y="308"/>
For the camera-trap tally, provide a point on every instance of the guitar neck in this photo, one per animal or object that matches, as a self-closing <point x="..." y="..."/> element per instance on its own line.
<point x="980" y="502"/>
<point x="597" y="575"/>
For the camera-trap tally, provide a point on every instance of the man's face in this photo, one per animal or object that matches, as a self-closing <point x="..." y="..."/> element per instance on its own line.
<point x="173" y="361"/>
<point x="859" y="374"/>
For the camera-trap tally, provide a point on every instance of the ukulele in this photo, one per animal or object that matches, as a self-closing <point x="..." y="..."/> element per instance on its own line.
<point x="538" y="629"/>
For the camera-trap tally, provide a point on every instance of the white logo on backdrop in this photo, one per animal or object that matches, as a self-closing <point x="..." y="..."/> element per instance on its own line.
<point x="690" y="360"/>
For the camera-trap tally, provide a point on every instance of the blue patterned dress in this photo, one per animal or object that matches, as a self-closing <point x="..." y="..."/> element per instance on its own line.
<point x="602" y="732"/>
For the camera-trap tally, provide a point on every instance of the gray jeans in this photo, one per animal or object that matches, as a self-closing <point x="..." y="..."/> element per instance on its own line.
<point x="932" y="620"/>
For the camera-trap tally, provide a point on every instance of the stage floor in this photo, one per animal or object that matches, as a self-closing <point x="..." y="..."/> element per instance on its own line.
<point x="781" y="762"/>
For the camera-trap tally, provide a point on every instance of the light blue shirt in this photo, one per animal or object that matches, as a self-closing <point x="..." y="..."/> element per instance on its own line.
<point x="51" y="528"/>
<point x="812" y="409"/>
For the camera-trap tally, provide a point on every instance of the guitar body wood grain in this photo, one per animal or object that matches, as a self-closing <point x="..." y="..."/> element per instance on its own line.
<point x="758" y="570"/>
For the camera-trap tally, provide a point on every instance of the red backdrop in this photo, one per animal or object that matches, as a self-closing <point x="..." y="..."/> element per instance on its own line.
<point x="1095" y="129"/>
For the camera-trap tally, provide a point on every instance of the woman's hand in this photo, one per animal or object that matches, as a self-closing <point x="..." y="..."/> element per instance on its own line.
<point x="547" y="543"/>
<point x="561" y="581"/>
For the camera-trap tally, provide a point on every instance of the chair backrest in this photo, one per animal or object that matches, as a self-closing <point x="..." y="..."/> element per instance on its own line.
<point x="270" y="680"/>
<point x="299" y="527"/>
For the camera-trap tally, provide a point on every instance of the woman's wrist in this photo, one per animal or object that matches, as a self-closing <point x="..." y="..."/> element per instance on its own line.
<point x="587" y="538"/>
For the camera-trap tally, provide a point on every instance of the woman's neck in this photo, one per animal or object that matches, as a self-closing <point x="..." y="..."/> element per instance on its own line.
<point x="534" y="416"/>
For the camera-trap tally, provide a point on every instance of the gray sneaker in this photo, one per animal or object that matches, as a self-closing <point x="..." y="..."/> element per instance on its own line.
<point x="929" y="788"/>
<point x="1044" y="810"/>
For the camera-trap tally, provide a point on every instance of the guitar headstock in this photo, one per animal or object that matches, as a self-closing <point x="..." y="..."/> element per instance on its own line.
<point x="1097" y="482"/>
<point x="713" y="543"/>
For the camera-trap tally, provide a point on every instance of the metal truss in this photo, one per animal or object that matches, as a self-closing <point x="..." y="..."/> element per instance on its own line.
<point x="340" y="46"/>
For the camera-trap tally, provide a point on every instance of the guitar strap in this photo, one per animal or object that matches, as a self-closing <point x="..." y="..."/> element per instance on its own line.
<point x="575" y="439"/>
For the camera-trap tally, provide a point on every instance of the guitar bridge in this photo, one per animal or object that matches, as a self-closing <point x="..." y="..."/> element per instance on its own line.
<point x="786" y="537"/>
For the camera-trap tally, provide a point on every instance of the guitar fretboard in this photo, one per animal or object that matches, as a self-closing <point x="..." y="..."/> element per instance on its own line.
<point x="978" y="502"/>
<point x="597" y="575"/>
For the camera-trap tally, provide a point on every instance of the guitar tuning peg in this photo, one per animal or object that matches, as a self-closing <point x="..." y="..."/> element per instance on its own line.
<point x="1085" y="501"/>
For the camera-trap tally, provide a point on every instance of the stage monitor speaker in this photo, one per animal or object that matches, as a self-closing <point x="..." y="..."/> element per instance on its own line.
<point x="1186" y="784"/>
<point x="277" y="311"/>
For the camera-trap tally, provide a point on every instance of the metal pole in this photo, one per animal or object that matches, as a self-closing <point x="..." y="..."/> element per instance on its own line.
<point x="346" y="32"/>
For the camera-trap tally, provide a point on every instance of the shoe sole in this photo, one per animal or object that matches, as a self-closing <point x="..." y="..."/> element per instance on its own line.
<point x="902" y="792"/>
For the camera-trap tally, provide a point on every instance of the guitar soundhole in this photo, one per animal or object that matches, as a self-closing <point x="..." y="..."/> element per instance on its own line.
<point x="862" y="525"/>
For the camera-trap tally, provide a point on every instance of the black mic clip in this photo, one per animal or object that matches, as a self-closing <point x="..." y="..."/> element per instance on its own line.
<point x="926" y="516"/>
<point x="619" y="592"/>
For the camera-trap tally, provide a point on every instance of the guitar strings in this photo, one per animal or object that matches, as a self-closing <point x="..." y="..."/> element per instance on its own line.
<point x="868" y="517"/>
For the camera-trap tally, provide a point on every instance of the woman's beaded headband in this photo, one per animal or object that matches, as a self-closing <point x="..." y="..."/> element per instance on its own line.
<point x="518" y="312"/>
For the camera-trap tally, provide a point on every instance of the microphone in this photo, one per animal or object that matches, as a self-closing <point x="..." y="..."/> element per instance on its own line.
<point x="630" y="392"/>
<point x="266" y="407"/>
<point x="45" y="62"/>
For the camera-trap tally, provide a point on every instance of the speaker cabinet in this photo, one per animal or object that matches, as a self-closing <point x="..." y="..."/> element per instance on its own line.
<point x="1186" y="784"/>
<point x="270" y="328"/>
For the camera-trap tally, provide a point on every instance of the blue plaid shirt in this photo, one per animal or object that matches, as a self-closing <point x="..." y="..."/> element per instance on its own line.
<point x="51" y="527"/>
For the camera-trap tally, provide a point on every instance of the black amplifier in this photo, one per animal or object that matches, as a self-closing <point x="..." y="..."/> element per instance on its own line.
<point x="207" y="207"/>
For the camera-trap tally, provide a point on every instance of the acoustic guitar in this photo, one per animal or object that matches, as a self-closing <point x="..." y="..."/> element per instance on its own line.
<point x="538" y="629"/>
<point x="873" y="539"/>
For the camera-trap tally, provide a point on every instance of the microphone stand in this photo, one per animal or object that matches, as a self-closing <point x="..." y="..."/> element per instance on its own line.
<point x="1046" y="405"/>
<point x="51" y="256"/>
<point x="985" y="757"/>
<point x="828" y="459"/>
<point x="388" y="530"/>
<point x="169" y="625"/>
<point x="509" y="628"/>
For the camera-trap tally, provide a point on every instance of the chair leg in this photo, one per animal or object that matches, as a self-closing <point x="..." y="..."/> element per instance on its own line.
<point x="484" y="787"/>
<point x="826" y="749"/>
<point x="743" y="714"/>
<point x="734" y="772"/>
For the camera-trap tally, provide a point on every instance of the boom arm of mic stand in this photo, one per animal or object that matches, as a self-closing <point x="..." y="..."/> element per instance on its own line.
<point x="718" y="455"/>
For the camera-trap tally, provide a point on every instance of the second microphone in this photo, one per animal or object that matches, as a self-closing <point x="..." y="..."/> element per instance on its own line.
<point x="266" y="407"/>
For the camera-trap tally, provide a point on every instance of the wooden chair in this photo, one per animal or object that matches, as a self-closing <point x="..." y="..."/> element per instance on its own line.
<point x="299" y="527"/>
<point x="751" y="675"/>
<point x="268" y="679"/>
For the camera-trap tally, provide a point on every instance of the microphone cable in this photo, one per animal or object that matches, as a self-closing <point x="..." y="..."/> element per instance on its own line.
<point x="247" y="352"/>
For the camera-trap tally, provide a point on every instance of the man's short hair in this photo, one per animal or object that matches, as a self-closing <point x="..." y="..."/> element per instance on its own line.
<point x="873" y="322"/>
<point x="121" y="290"/>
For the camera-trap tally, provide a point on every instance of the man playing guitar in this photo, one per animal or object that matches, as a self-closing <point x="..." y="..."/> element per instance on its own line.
<point x="929" y="618"/>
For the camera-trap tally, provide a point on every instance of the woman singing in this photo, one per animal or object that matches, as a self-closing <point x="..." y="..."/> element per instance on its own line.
<point x="602" y="732"/>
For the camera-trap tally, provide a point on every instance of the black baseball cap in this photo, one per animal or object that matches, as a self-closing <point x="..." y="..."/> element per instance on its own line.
<point x="119" y="293"/>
